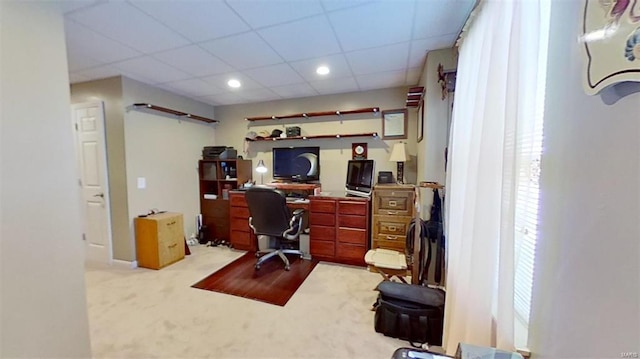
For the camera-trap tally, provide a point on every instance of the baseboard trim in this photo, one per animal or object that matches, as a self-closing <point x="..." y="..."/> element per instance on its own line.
<point x="124" y="264"/>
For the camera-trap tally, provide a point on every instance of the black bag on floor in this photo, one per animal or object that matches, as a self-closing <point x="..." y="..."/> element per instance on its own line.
<point x="410" y="312"/>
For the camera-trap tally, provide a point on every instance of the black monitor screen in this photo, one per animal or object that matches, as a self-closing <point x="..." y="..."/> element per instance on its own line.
<point x="360" y="177"/>
<point x="296" y="163"/>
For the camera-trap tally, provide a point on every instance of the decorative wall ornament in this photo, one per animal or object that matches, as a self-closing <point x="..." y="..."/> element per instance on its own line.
<point x="447" y="81"/>
<point x="611" y="37"/>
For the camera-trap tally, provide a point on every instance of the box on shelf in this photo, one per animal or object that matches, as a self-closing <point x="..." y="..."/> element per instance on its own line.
<point x="293" y="131"/>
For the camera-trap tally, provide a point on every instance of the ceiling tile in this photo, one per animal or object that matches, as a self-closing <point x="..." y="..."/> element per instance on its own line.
<point x="330" y="86"/>
<point x="227" y="98"/>
<point x="83" y="41"/>
<point x="380" y="59"/>
<point x="373" y="25"/>
<point x="101" y="72"/>
<point x="151" y="69"/>
<point x="260" y="13"/>
<point x="193" y="87"/>
<point x="77" y="61"/>
<point x="75" y="78"/>
<point x="276" y="75"/>
<point x="194" y="60"/>
<point x="128" y="25"/>
<point x="294" y="91"/>
<point x="413" y="76"/>
<point x="260" y="95"/>
<point x="381" y="80"/>
<point x="243" y="51"/>
<point x="419" y="48"/>
<point x="196" y="20"/>
<point x="220" y="81"/>
<point x="440" y="17"/>
<point x="302" y="39"/>
<point x="337" y="64"/>
<point x="330" y="5"/>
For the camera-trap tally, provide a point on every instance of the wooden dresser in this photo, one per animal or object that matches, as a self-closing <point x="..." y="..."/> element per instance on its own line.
<point x="159" y="239"/>
<point x="339" y="229"/>
<point x="393" y="209"/>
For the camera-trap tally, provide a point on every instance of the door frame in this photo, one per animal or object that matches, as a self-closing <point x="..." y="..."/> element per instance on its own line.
<point x="105" y="177"/>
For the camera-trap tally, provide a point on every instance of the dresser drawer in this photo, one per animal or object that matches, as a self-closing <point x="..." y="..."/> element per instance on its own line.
<point x="322" y="233"/>
<point x="321" y="205"/>
<point x="240" y="212"/>
<point x="393" y="225"/>
<point x="392" y="202"/>
<point x="353" y="236"/>
<point x="240" y="224"/>
<point x="351" y="252"/>
<point x="170" y="250"/>
<point x="352" y="221"/>
<point x="359" y="208"/>
<point x="322" y="248"/>
<point x="241" y="239"/>
<point x="323" y="219"/>
<point x="389" y="244"/>
<point x="237" y="200"/>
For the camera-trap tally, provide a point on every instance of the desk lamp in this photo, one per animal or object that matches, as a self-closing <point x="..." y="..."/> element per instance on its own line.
<point x="399" y="155"/>
<point x="261" y="169"/>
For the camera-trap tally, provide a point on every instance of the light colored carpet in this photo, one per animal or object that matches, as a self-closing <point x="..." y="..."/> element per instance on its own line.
<point x="142" y="313"/>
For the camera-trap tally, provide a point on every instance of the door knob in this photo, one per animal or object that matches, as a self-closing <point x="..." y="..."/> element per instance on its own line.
<point x="101" y="195"/>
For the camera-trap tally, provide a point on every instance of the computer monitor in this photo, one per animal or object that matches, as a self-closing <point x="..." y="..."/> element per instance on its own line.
<point x="299" y="164"/>
<point x="360" y="178"/>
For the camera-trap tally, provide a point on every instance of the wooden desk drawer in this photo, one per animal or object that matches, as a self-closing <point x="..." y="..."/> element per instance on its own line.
<point x="393" y="225"/>
<point x="321" y="205"/>
<point x="322" y="233"/>
<point x="237" y="200"/>
<point x="389" y="244"/>
<point x="353" y="236"/>
<point x="352" y="221"/>
<point x="359" y="208"/>
<point x="240" y="224"/>
<point x="323" y="219"/>
<point x="241" y="239"/>
<point x="322" y="248"/>
<point x="240" y="212"/>
<point x="391" y="202"/>
<point x="351" y="252"/>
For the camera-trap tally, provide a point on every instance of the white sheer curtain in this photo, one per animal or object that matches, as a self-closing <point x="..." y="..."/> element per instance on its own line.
<point x="502" y="60"/>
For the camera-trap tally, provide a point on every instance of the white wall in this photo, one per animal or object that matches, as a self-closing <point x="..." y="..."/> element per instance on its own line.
<point x="586" y="300"/>
<point x="165" y="151"/>
<point x="334" y="153"/>
<point x="43" y="306"/>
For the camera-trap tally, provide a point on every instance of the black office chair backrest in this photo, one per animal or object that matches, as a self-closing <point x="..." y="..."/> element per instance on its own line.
<point x="268" y="209"/>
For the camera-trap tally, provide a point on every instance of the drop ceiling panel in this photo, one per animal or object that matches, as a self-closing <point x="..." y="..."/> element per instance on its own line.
<point x="275" y="75"/>
<point x="260" y="13"/>
<point x="338" y="66"/>
<point x="244" y="51"/>
<point x="440" y="17"/>
<point x="227" y="98"/>
<point x="194" y="60"/>
<point x="220" y="81"/>
<point x="128" y="25"/>
<point x="330" y="5"/>
<point x="331" y="86"/>
<point x="302" y="39"/>
<point x="419" y="48"/>
<point x="77" y="62"/>
<point x="381" y="80"/>
<point x="195" y="20"/>
<point x="295" y="91"/>
<point x="260" y="95"/>
<point x="373" y="25"/>
<point x="413" y="76"/>
<point x="84" y="42"/>
<point x="151" y="70"/>
<point x="193" y="87"/>
<point x="99" y="72"/>
<point x="379" y="59"/>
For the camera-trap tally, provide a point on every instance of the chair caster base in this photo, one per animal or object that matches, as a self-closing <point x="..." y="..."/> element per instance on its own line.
<point x="256" y="267"/>
<point x="287" y="268"/>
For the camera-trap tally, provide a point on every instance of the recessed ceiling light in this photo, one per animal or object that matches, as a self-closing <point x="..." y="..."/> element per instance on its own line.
<point x="322" y="70"/>
<point x="234" y="83"/>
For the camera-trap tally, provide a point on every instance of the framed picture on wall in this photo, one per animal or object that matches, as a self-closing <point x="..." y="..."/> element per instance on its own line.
<point x="394" y="124"/>
<point x="420" y="121"/>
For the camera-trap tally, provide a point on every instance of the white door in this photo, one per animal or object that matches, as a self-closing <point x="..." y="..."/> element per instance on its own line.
<point x="88" y="125"/>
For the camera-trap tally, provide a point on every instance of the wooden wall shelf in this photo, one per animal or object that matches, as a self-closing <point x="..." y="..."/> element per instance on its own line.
<point x="178" y="114"/>
<point x="374" y="110"/>
<point x="369" y="134"/>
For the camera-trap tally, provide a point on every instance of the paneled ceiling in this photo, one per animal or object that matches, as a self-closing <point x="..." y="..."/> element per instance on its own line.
<point x="273" y="47"/>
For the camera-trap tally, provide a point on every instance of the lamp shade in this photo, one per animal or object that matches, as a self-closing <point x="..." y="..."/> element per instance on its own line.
<point x="398" y="153"/>
<point x="261" y="168"/>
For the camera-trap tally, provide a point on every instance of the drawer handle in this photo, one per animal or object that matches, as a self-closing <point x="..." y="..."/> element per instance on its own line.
<point x="392" y="212"/>
<point x="393" y="228"/>
<point x="170" y="223"/>
<point x="392" y="237"/>
<point x="393" y="203"/>
<point x="173" y="245"/>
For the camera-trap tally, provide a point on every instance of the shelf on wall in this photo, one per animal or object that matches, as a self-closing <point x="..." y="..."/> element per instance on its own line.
<point x="374" y="110"/>
<point x="368" y="134"/>
<point x="178" y="114"/>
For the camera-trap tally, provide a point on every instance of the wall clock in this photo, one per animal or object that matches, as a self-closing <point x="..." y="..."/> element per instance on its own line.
<point x="359" y="151"/>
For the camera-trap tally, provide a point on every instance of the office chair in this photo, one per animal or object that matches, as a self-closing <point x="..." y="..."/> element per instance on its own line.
<point x="270" y="216"/>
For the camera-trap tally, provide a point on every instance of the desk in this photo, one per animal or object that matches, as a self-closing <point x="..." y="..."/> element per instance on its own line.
<point x="242" y="236"/>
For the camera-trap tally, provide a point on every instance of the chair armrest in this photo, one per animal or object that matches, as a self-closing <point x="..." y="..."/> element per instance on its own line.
<point x="298" y="212"/>
<point x="295" y="225"/>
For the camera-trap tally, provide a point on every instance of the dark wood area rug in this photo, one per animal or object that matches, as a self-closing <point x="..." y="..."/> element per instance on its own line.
<point x="271" y="284"/>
